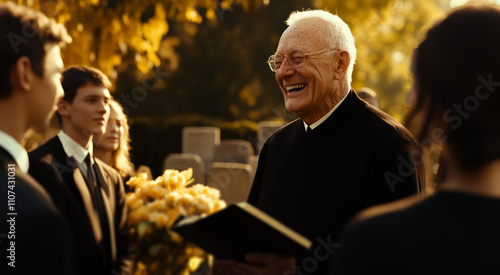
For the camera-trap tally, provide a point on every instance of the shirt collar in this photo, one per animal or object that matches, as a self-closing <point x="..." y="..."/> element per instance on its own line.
<point x="73" y="148"/>
<point x="16" y="150"/>
<point x="321" y="120"/>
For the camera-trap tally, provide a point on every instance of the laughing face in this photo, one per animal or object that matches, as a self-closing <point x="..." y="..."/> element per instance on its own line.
<point x="309" y="90"/>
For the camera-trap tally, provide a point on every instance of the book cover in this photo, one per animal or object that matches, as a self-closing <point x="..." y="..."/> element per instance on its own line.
<point x="239" y="229"/>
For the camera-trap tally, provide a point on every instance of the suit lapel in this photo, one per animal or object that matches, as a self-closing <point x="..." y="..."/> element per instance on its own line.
<point x="108" y="198"/>
<point x="6" y="159"/>
<point x="75" y="182"/>
<point x="79" y="182"/>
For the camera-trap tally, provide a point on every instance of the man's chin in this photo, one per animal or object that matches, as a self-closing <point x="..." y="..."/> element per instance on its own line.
<point x="97" y="132"/>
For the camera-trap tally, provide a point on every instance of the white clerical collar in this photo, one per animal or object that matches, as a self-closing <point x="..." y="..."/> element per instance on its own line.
<point x="16" y="150"/>
<point x="317" y="123"/>
<point x="73" y="148"/>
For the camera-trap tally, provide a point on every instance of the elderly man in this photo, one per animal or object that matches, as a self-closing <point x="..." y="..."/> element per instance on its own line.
<point x="340" y="157"/>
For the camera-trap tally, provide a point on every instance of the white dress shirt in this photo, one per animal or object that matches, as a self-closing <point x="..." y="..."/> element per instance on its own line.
<point x="16" y="150"/>
<point x="321" y="120"/>
<point x="75" y="150"/>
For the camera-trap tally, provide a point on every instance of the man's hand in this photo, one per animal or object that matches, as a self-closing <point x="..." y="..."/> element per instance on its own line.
<point x="258" y="264"/>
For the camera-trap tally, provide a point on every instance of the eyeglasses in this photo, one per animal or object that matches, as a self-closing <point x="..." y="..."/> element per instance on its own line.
<point x="295" y="59"/>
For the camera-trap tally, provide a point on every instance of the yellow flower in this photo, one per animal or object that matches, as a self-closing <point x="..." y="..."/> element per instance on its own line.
<point x="204" y="204"/>
<point x="157" y="205"/>
<point x="154" y="205"/>
<point x="158" y="218"/>
<point x="137" y="180"/>
<point x="173" y="199"/>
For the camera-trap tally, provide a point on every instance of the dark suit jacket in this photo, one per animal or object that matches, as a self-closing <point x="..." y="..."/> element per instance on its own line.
<point x="315" y="182"/>
<point x="38" y="236"/>
<point x="50" y="165"/>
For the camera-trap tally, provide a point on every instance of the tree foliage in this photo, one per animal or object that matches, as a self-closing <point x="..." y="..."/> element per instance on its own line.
<point x="386" y="32"/>
<point x="112" y="34"/>
<point x="221" y="71"/>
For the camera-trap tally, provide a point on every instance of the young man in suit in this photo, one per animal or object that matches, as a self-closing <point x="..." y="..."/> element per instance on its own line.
<point x="35" y="237"/>
<point x="87" y="191"/>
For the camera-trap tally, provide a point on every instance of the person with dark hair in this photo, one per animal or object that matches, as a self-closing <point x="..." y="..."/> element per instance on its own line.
<point x="369" y="96"/>
<point x="342" y="155"/>
<point x="457" y="94"/>
<point x="88" y="191"/>
<point x="35" y="237"/>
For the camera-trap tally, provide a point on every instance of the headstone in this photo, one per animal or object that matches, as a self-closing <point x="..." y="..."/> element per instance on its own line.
<point x="266" y="130"/>
<point x="253" y="161"/>
<point x="233" y="150"/>
<point x="184" y="161"/>
<point x="232" y="179"/>
<point x="201" y="141"/>
<point x="145" y="169"/>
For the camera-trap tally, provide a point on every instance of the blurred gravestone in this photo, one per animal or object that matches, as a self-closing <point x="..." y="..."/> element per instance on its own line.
<point x="233" y="150"/>
<point x="201" y="141"/>
<point x="184" y="161"/>
<point x="232" y="179"/>
<point x="266" y="129"/>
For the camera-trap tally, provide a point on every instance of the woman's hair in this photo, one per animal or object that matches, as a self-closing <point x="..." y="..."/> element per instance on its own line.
<point x="121" y="157"/>
<point x="457" y="83"/>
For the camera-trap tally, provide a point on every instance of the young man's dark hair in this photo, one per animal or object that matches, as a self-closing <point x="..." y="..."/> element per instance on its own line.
<point x="75" y="77"/>
<point x="25" y="32"/>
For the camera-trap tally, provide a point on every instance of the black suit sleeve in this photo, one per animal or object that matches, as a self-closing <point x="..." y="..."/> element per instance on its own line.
<point x="124" y="263"/>
<point x="395" y="175"/>
<point x="51" y="180"/>
<point x="38" y="235"/>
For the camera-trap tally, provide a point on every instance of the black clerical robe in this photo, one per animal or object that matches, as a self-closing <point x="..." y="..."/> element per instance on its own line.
<point x="315" y="181"/>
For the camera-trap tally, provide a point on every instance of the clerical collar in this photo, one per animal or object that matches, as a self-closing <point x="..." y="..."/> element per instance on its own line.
<point x="16" y="150"/>
<point x="73" y="148"/>
<point x="321" y="120"/>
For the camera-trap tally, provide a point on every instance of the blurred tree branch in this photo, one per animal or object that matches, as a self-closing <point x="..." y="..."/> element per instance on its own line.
<point x="111" y="34"/>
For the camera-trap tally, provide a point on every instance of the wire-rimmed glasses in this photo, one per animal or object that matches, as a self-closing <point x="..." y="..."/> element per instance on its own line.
<point x="295" y="59"/>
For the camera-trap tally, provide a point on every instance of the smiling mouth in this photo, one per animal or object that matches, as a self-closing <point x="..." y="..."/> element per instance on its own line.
<point x="295" y="88"/>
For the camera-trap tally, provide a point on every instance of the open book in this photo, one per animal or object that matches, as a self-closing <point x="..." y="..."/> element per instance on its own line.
<point x="239" y="229"/>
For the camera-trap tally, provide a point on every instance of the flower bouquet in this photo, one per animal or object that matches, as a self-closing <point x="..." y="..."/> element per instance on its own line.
<point x="154" y="205"/>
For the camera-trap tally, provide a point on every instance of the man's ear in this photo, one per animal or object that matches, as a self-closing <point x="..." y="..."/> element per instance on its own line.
<point x="63" y="107"/>
<point x="342" y="61"/>
<point x="21" y="76"/>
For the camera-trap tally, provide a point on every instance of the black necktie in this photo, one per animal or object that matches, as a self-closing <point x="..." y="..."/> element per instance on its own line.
<point x="91" y="184"/>
<point x="97" y="200"/>
<point x="308" y="129"/>
<point x="90" y="173"/>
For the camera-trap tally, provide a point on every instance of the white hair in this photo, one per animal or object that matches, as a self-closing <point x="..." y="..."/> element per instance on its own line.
<point x="340" y="35"/>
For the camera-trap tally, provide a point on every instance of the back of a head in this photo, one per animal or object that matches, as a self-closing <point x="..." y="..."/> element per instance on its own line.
<point x="457" y="74"/>
<point x="25" y="32"/>
<point x="340" y="36"/>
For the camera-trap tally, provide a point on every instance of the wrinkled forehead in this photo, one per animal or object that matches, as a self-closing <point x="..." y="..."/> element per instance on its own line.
<point x="308" y="35"/>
